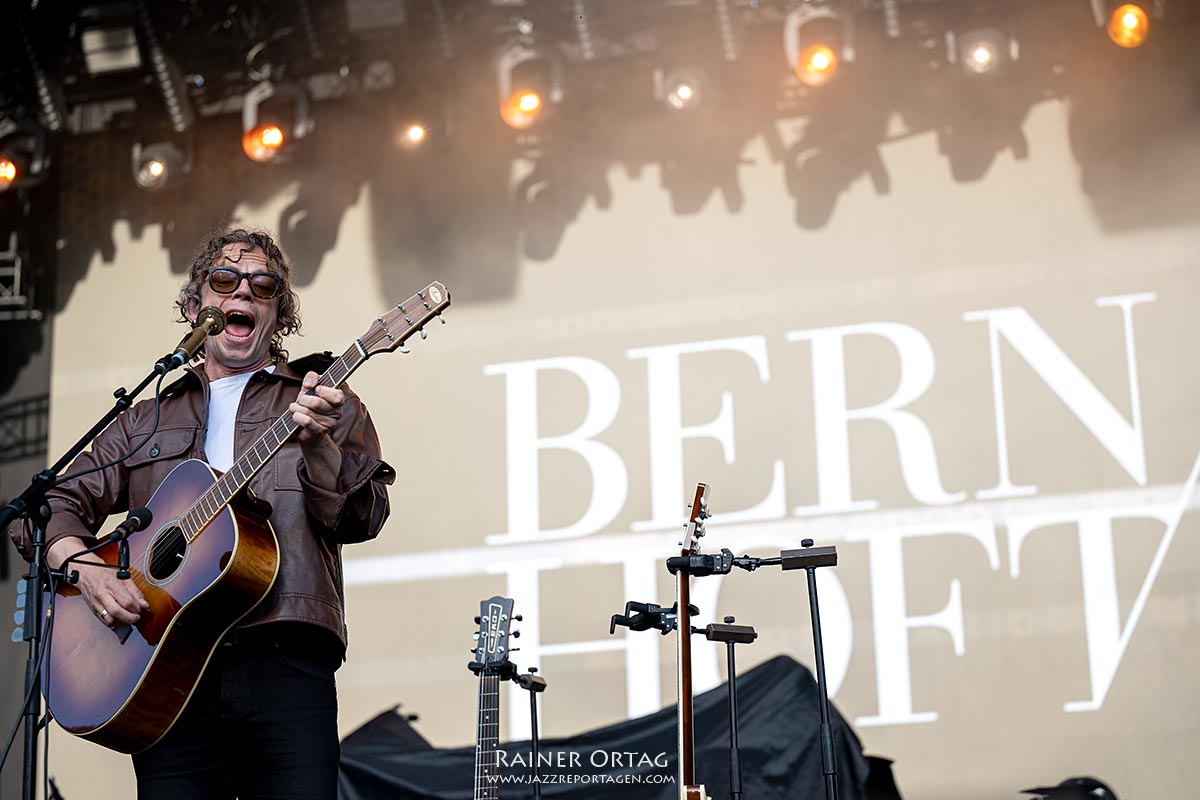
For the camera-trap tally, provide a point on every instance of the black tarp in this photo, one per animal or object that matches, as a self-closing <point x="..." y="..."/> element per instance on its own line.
<point x="781" y="758"/>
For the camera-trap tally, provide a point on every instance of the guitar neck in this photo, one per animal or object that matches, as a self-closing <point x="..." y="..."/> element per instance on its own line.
<point x="683" y="630"/>
<point x="687" y="767"/>
<point x="238" y="476"/>
<point x="487" y="737"/>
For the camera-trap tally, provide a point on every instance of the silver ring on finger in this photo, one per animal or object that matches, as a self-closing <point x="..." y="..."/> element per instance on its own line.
<point x="104" y="613"/>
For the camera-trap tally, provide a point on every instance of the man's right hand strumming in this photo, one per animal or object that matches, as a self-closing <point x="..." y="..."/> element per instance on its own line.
<point x="113" y="601"/>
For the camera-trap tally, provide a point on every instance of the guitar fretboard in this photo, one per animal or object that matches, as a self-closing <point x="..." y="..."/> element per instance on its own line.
<point x="487" y="755"/>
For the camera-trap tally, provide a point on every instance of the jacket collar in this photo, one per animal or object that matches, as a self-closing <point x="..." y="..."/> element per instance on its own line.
<point x="294" y="371"/>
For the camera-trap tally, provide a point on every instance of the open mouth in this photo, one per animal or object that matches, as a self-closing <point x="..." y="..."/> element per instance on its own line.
<point x="238" y="326"/>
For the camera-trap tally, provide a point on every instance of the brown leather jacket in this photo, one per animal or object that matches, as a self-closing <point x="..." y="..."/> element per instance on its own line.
<point x="311" y="523"/>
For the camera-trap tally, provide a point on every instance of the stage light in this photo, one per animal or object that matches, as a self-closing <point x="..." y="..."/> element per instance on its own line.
<point x="817" y="39"/>
<point x="981" y="51"/>
<point x="415" y="134"/>
<point x="981" y="59"/>
<point x="521" y="109"/>
<point x="262" y="143"/>
<point x="412" y="135"/>
<point x="8" y="173"/>
<point x="266" y="140"/>
<point x="420" y="116"/>
<point x="680" y="89"/>
<point x="816" y="65"/>
<point x="1128" y="25"/>
<point x="529" y="82"/>
<point x="159" y="165"/>
<point x="24" y="159"/>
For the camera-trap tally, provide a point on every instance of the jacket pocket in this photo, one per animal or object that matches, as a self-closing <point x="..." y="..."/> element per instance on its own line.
<point x="169" y="446"/>
<point x="151" y="464"/>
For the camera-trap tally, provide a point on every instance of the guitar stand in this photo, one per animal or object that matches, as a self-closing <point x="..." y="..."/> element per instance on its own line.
<point x="731" y="634"/>
<point x="646" y="616"/>
<point x="534" y="684"/>
<point x="809" y="559"/>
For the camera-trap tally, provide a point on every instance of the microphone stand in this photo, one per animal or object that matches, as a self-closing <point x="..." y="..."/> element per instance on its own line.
<point x="809" y="559"/>
<point x="534" y="684"/>
<point x="32" y="505"/>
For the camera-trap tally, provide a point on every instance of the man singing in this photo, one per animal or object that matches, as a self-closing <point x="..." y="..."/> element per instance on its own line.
<point x="262" y="722"/>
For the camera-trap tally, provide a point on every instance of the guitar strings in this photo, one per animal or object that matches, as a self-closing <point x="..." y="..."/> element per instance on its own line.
<point x="487" y="759"/>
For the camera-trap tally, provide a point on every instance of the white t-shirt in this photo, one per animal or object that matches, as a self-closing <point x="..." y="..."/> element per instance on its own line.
<point x="224" y="397"/>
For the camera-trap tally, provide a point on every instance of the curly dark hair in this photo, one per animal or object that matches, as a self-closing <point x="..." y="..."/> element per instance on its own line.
<point x="206" y="254"/>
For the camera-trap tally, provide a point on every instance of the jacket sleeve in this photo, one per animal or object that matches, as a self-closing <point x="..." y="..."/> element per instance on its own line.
<point x="79" y="506"/>
<point x="355" y="510"/>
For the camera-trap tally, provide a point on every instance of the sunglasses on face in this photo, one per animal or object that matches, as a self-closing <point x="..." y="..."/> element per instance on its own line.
<point x="263" y="285"/>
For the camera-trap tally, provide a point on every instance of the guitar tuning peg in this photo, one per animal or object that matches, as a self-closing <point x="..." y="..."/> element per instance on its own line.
<point x="477" y="620"/>
<point x="422" y="332"/>
<point x="475" y="635"/>
<point x="515" y="650"/>
<point x="475" y="650"/>
<point x="516" y="634"/>
<point x="439" y="316"/>
<point x="519" y="618"/>
<point x="404" y="350"/>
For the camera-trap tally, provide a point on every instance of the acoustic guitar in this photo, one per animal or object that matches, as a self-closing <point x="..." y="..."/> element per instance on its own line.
<point x="688" y="788"/>
<point x="491" y="664"/>
<point x="209" y="558"/>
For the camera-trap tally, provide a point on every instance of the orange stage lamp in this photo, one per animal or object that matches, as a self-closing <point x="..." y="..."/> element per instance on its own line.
<point x="521" y="109"/>
<point x="8" y="173"/>
<point x="1129" y="25"/>
<point x="816" y="65"/>
<point x="262" y="142"/>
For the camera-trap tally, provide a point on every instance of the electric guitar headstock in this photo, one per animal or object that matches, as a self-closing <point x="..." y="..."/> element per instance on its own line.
<point x="495" y="621"/>
<point x="694" y="530"/>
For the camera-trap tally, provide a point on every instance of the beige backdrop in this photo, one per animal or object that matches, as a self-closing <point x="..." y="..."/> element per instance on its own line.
<point x="1016" y="600"/>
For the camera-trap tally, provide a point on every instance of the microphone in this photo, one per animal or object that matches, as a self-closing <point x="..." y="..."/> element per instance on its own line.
<point x="138" y="519"/>
<point x="209" y="322"/>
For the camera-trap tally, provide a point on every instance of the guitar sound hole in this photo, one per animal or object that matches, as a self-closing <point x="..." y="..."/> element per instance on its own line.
<point x="167" y="554"/>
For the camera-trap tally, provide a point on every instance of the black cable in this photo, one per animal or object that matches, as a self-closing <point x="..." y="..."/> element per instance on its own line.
<point x="140" y="445"/>
<point x="46" y="716"/>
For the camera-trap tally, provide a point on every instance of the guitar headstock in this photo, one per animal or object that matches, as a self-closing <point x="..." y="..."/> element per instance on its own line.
<point x="495" y="619"/>
<point x="694" y="529"/>
<point x="394" y="328"/>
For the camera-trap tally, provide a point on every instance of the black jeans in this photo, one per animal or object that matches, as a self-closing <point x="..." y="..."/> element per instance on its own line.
<point x="262" y="724"/>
